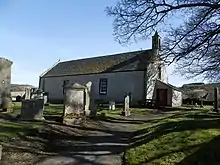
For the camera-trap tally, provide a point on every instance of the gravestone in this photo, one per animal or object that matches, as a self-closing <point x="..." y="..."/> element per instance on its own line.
<point x="7" y="102"/>
<point x="27" y="93"/>
<point x="89" y="101"/>
<point x="74" y="104"/>
<point x="111" y="105"/>
<point x="32" y="109"/>
<point x="216" y="99"/>
<point x="36" y="93"/>
<point x="88" y="87"/>
<point x="45" y="97"/>
<point x="0" y="152"/>
<point x="126" y="109"/>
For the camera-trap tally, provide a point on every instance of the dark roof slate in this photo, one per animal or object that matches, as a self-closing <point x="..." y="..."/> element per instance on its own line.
<point x="129" y="61"/>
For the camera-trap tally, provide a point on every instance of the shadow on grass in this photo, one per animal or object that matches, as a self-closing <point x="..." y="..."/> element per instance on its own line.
<point x="59" y="140"/>
<point x="73" y="141"/>
<point x="119" y="120"/>
<point x="205" y="153"/>
<point x="208" y="153"/>
<point x="145" y="135"/>
<point x="7" y="117"/>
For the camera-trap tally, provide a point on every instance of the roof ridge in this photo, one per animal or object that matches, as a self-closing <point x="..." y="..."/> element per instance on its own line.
<point x="87" y="58"/>
<point x="125" y="61"/>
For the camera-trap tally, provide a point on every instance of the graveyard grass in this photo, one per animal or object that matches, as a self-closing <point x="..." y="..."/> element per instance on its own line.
<point x="188" y="137"/>
<point x="10" y="128"/>
<point x="185" y="137"/>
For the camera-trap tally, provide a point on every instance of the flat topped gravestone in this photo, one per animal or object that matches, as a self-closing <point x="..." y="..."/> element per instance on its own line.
<point x="32" y="109"/>
<point x="74" y="104"/>
<point x="126" y="109"/>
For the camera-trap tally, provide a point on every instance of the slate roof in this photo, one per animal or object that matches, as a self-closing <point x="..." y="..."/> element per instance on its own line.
<point x="129" y="61"/>
<point x="171" y="86"/>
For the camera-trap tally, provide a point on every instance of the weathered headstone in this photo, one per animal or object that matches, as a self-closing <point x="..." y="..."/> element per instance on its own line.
<point x="216" y="99"/>
<point x="27" y="93"/>
<point x="88" y="87"/>
<point x="0" y="152"/>
<point x="32" y="109"/>
<point x="111" y="105"/>
<point x="126" y="109"/>
<point x="45" y="97"/>
<point x="201" y="103"/>
<point x="74" y="105"/>
<point x="7" y="103"/>
<point x="89" y="105"/>
<point x="36" y="93"/>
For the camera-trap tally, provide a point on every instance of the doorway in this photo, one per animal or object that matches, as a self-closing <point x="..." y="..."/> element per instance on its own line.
<point x="161" y="97"/>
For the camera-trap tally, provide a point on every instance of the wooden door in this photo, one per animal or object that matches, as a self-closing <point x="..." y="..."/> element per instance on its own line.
<point x="162" y="97"/>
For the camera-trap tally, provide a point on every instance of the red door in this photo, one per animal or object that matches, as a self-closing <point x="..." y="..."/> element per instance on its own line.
<point x="161" y="97"/>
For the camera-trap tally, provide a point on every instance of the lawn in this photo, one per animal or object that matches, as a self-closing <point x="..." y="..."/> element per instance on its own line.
<point x="184" y="136"/>
<point x="188" y="138"/>
<point x="11" y="127"/>
<point x="134" y="111"/>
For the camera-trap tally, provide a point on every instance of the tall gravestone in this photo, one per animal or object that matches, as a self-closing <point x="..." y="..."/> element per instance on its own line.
<point x="74" y="105"/>
<point x="216" y="99"/>
<point x="0" y="152"/>
<point x="89" y="101"/>
<point x="126" y="109"/>
<point x="27" y="93"/>
<point x="32" y="109"/>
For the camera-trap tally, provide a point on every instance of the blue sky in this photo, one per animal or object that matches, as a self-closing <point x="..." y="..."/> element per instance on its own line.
<point x="34" y="34"/>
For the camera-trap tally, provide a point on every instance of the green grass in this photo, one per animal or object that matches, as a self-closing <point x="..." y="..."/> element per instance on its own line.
<point x="134" y="111"/>
<point x="189" y="137"/>
<point x="9" y="129"/>
<point x="54" y="110"/>
<point x="111" y="113"/>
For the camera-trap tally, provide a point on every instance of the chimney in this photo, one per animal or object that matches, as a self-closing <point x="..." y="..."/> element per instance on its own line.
<point x="156" y="45"/>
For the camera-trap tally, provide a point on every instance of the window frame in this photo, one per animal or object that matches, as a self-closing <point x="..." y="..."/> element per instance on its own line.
<point x="101" y="86"/>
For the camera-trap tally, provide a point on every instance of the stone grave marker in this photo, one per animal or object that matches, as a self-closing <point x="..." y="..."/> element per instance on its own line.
<point x="88" y="87"/>
<point x="7" y="102"/>
<point x="126" y="109"/>
<point x="27" y="93"/>
<point x="89" y="101"/>
<point x="36" y="93"/>
<point x="74" y="104"/>
<point x="32" y="109"/>
<point x="216" y="99"/>
<point x="0" y="152"/>
<point x="45" y="96"/>
<point x="111" y="105"/>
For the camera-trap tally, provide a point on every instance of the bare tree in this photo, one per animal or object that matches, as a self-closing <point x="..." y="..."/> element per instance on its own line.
<point x="193" y="42"/>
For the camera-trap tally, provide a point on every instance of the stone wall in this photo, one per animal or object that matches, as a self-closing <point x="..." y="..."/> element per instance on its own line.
<point x="5" y="78"/>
